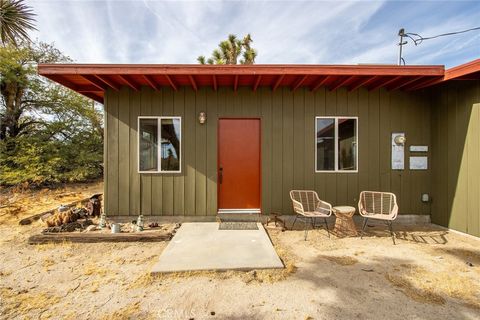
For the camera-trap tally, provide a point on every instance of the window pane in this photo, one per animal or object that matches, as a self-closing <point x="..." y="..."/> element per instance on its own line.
<point x="325" y="144"/>
<point x="170" y="144"/>
<point x="347" y="144"/>
<point x="148" y="145"/>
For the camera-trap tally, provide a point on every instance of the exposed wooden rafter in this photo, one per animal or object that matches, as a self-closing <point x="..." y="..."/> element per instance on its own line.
<point x="235" y="83"/>
<point x="363" y="82"/>
<point x="151" y="82"/>
<point x="192" y="82"/>
<point x="129" y="82"/>
<point x="403" y="84"/>
<point x="383" y="83"/>
<point x="277" y="82"/>
<point x="422" y="84"/>
<point x="320" y="83"/>
<point x="171" y="82"/>
<point x="257" y="82"/>
<point x="341" y="83"/>
<point x="214" y="81"/>
<point x="108" y="82"/>
<point x="299" y="82"/>
<point x="94" y="95"/>
<point x="94" y="81"/>
<point x="87" y="88"/>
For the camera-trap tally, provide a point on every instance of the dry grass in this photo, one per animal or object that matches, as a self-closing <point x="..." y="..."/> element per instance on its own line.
<point x="23" y="302"/>
<point x="142" y="281"/>
<point x="47" y="262"/>
<point x="341" y="260"/>
<point x="5" y="273"/>
<point x="94" y="286"/>
<point x="432" y="287"/>
<point x="130" y="311"/>
<point x="95" y="270"/>
<point x="65" y="245"/>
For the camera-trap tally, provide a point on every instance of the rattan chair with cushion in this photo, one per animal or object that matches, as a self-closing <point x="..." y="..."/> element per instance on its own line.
<point x="307" y="205"/>
<point x="380" y="206"/>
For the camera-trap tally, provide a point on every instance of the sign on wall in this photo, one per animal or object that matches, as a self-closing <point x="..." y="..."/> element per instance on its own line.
<point x="418" y="163"/>
<point x="418" y="148"/>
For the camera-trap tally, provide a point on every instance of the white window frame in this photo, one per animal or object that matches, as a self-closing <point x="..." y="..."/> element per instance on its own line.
<point x="159" y="149"/>
<point x="336" y="170"/>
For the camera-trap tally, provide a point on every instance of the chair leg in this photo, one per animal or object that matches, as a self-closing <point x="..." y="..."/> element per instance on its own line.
<point x="363" y="228"/>
<point x="306" y="231"/>
<point x="391" y="231"/>
<point x="326" y="227"/>
<point x="313" y="223"/>
<point x="294" y="221"/>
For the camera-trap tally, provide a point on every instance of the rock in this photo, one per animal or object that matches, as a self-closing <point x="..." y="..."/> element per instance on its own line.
<point x="91" y="228"/>
<point x="62" y="208"/>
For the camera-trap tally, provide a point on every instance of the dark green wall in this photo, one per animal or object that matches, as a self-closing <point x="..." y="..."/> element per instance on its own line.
<point x="456" y="156"/>
<point x="288" y="124"/>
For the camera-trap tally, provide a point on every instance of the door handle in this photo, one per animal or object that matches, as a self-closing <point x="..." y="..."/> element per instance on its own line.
<point x="220" y="175"/>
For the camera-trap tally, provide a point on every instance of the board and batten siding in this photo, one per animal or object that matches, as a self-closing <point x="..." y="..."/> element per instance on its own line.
<point x="456" y="156"/>
<point x="288" y="147"/>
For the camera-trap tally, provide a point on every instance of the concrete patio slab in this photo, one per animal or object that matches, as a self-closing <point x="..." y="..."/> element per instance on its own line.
<point x="201" y="246"/>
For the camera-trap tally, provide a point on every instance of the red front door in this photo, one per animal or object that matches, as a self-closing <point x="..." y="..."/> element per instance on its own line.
<point x="238" y="164"/>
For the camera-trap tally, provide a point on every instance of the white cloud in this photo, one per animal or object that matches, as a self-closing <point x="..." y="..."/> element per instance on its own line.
<point x="283" y="32"/>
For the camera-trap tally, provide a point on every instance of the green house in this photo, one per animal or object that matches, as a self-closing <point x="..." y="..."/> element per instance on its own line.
<point x="189" y="142"/>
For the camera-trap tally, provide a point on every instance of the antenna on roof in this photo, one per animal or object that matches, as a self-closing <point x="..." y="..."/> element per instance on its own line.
<point x="401" y="34"/>
<point x="417" y="39"/>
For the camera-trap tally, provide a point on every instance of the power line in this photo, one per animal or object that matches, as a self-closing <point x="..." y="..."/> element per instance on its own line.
<point x="418" y="39"/>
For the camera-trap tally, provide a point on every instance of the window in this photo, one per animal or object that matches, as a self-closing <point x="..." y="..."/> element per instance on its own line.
<point x="336" y="144"/>
<point x="159" y="144"/>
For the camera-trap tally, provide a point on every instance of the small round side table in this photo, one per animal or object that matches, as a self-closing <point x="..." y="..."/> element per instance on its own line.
<point x="344" y="225"/>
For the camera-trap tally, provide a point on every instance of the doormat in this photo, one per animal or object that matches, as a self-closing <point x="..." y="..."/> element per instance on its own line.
<point x="238" y="226"/>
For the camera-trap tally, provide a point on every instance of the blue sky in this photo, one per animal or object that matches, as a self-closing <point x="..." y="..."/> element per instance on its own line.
<point x="283" y="31"/>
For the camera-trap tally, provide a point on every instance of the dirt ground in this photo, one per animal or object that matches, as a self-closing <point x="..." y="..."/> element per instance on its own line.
<point x="429" y="274"/>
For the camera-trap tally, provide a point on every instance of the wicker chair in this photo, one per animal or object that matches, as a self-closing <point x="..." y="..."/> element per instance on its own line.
<point x="307" y="205"/>
<point x="380" y="206"/>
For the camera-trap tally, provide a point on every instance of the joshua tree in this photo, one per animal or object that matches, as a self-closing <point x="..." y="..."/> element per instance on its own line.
<point x="230" y="50"/>
<point x="16" y="18"/>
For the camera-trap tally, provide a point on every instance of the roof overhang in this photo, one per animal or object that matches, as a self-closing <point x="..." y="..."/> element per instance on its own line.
<point x="467" y="71"/>
<point x="92" y="80"/>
